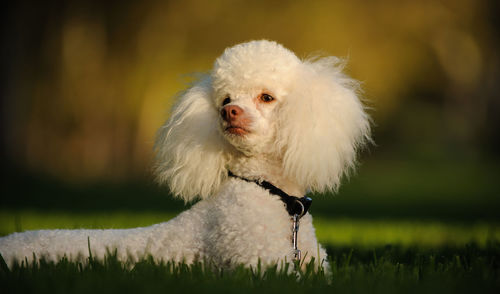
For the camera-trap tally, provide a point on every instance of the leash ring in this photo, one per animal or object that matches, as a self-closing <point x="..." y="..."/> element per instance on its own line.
<point x="302" y="208"/>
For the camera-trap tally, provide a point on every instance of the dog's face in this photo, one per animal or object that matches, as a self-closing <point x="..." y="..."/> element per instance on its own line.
<point x="263" y="100"/>
<point x="247" y="119"/>
<point x="250" y="84"/>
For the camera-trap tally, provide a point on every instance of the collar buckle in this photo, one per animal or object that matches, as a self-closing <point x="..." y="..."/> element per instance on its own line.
<point x="294" y="205"/>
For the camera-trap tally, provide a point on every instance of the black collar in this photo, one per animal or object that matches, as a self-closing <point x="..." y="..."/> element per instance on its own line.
<point x="294" y="205"/>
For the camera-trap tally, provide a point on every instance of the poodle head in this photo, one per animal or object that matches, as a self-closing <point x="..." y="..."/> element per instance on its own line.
<point x="261" y="99"/>
<point x="249" y="83"/>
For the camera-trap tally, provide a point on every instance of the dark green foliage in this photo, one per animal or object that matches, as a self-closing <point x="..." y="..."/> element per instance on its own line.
<point x="397" y="269"/>
<point x="382" y="270"/>
<point x="381" y="189"/>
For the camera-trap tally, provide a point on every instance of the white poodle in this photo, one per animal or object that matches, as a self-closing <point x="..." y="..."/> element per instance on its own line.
<point x="249" y="139"/>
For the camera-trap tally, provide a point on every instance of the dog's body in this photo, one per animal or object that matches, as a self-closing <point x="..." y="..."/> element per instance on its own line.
<point x="231" y="228"/>
<point x="262" y="115"/>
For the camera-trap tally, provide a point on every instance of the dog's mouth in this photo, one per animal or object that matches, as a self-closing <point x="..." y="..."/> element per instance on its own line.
<point x="236" y="130"/>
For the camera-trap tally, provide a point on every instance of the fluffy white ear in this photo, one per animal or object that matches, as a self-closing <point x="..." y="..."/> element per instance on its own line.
<point x="321" y="125"/>
<point x="189" y="150"/>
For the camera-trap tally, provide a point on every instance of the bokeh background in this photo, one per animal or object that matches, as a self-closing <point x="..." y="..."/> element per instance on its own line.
<point x="87" y="83"/>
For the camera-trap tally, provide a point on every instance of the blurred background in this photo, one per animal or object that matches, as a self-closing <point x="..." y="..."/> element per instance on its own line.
<point x="86" y="84"/>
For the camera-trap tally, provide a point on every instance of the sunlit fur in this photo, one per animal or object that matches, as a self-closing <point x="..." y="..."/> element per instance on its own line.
<point x="190" y="151"/>
<point x="304" y="139"/>
<point x="318" y="126"/>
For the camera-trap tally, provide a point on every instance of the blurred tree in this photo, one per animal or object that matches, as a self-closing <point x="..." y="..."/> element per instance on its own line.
<point x="87" y="83"/>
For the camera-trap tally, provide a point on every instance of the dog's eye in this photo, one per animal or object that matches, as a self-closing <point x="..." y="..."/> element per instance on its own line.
<point x="266" y="98"/>
<point x="226" y="101"/>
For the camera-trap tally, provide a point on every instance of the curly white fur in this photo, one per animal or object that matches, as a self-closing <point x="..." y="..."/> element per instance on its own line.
<point x="305" y="138"/>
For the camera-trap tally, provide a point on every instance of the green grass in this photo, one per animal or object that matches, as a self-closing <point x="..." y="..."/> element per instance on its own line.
<point x="381" y="270"/>
<point x="24" y="220"/>
<point x="374" y="256"/>
<point x="396" y="227"/>
<point x="423" y="234"/>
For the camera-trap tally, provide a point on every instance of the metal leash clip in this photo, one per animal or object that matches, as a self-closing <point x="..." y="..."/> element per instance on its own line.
<point x="295" y="229"/>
